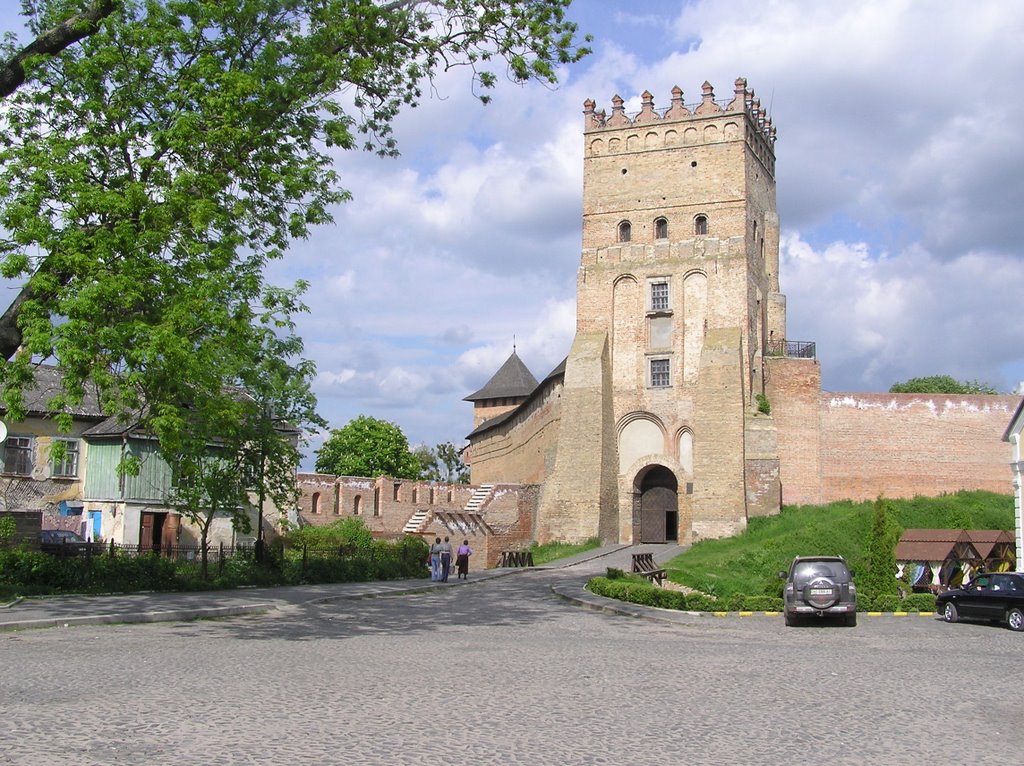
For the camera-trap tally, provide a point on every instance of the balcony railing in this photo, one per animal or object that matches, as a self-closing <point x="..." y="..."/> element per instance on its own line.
<point x="793" y="349"/>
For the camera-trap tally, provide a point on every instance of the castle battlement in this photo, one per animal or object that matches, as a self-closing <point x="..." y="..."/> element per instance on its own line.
<point x="743" y="101"/>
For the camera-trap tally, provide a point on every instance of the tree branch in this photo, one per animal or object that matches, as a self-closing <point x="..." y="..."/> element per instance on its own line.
<point x="64" y="35"/>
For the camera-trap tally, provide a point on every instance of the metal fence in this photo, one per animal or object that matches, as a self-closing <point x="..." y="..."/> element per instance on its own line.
<point x="792" y="349"/>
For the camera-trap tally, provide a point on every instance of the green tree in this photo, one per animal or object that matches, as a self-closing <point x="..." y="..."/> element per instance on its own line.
<point x="149" y="171"/>
<point x="370" y="447"/>
<point x="232" y="448"/>
<point x="880" y="578"/>
<point x="941" y="384"/>
<point x="450" y="457"/>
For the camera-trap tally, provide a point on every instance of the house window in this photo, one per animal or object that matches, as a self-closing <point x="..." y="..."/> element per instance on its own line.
<point x="659" y="296"/>
<point x="661" y="228"/>
<point x="700" y="225"/>
<point x="660" y="370"/>
<point x="67" y="466"/>
<point x="625" y="231"/>
<point x="18" y="455"/>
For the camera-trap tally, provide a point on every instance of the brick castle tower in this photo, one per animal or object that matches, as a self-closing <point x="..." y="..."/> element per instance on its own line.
<point x="651" y="430"/>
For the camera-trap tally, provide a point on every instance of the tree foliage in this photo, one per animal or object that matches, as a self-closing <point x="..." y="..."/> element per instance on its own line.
<point x="880" y="578"/>
<point x="370" y="447"/>
<point x="941" y="384"/>
<point x="150" y="171"/>
<point x="442" y="463"/>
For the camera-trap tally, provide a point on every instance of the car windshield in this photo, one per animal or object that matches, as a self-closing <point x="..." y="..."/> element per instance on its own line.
<point x="60" y="535"/>
<point x="808" y="570"/>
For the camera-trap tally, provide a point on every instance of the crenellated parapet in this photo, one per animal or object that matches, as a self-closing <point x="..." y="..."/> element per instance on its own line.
<point x="759" y="131"/>
<point x="743" y="99"/>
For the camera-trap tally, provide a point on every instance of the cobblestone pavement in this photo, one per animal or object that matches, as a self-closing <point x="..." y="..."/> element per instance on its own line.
<point x="504" y="671"/>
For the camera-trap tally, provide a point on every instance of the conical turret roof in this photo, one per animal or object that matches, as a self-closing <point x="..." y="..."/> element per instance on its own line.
<point x="512" y="380"/>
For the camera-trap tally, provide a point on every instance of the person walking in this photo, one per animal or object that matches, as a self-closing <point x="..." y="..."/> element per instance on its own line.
<point x="446" y="559"/>
<point x="462" y="559"/>
<point x="435" y="560"/>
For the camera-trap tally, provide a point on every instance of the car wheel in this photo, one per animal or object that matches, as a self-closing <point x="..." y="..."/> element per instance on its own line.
<point x="1015" y="619"/>
<point x="950" y="614"/>
<point x="791" y="619"/>
<point x="851" y="620"/>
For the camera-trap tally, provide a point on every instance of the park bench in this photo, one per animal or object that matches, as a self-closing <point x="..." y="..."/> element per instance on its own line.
<point x="516" y="559"/>
<point x="643" y="565"/>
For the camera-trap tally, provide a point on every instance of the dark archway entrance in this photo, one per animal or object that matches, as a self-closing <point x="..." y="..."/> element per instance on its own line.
<point x="659" y="506"/>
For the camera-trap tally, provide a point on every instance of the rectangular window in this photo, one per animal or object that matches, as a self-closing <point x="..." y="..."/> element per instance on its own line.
<point x="67" y="466"/>
<point x="659" y="296"/>
<point x="660" y="373"/>
<point x="18" y="455"/>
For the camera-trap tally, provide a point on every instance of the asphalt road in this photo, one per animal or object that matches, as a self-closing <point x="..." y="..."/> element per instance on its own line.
<point x="505" y="671"/>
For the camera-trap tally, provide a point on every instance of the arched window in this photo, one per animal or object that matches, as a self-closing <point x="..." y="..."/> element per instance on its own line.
<point x="625" y="231"/>
<point x="357" y="505"/>
<point x="314" y="506"/>
<point x="700" y="225"/>
<point x="661" y="228"/>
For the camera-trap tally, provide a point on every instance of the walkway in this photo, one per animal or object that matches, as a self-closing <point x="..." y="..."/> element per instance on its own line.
<point x="66" y="611"/>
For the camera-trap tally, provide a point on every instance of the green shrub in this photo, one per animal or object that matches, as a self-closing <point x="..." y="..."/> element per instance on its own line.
<point x="762" y="603"/>
<point x="615" y="574"/>
<point x="919" y="602"/>
<point x="886" y="603"/>
<point x="347" y="532"/>
<point x="763" y="405"/>
<point x="700" y="602"/>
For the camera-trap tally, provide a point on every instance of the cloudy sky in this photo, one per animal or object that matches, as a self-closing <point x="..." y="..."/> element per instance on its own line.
<point x="900" y="161"/>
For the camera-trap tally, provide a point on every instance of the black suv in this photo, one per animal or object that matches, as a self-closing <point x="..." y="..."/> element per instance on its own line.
<point x="819" y="586"/>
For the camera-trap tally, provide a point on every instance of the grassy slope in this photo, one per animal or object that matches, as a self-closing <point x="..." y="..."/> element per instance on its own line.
<point x="750" y="563"/>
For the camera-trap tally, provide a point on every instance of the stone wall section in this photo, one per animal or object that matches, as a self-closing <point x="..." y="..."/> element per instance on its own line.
<point x="793" y="388"/>
<point x="504" y="520"/>
<point x="902" y="445"/>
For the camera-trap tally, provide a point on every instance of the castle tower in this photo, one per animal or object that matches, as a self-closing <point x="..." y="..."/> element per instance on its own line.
<point x="678" y="290"/>
<point x="505" y="391"/>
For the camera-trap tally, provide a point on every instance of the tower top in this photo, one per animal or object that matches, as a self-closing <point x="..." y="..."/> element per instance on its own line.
<point x="743" y="100"/>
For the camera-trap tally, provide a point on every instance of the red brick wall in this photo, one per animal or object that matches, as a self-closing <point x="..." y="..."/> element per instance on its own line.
<point x="902" y="445"/>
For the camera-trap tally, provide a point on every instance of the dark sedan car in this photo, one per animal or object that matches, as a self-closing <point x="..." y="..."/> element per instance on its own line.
<point x="996" y="596"/>
<point x="64" y="542"/>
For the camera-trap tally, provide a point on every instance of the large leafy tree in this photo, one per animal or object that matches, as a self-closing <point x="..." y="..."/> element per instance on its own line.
<point x="941" y="384"/>
<point x="370" y="447"/>
<point x="150" y="170"/>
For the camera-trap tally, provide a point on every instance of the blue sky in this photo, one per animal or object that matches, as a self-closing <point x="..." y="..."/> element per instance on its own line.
<point x="899" y="167"/>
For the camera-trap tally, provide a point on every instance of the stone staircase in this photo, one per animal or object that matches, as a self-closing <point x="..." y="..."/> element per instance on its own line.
<point x="417" y="522"/>
<point x="467" y="520"/>
<point x="478" y="498"/>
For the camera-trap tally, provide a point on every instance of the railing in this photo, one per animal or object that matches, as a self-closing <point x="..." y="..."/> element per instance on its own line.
<point x="792" y="349"/>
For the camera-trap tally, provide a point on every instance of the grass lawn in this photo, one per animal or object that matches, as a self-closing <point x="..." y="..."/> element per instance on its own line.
<point x="545" y="554"/>
<point x="750" y="562"/>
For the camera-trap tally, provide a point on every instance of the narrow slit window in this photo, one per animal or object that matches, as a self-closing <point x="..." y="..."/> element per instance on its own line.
<point x="700" y="225"/>
<point x="625" y="232"/>
<point x="661" y="228"/>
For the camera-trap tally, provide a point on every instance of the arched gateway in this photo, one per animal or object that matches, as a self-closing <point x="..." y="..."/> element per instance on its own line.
<point x="657" y="494"/>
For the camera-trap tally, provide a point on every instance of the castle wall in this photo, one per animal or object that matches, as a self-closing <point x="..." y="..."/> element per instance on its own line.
<point x="902" y="445"/>
<point x="793" y="388"/>
<point x="504" y="520"/>
<point x="520" y="449"/>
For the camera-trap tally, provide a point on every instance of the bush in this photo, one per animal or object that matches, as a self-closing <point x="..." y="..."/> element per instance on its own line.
<point x="919" y="602"/>
<point x="700" y="602"/>
<point x="763" y="603"/>
<point x="348" y="532"/>
<point x="615" y="574"/>
<point x="885" y="603"/>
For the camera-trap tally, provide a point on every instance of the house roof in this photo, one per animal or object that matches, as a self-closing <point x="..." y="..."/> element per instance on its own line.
<point x="513" y="379"/>
<point x="46" y="385"/>
<point x="939" y="544"/>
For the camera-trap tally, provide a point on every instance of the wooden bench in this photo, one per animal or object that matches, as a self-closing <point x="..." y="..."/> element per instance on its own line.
<point x="643" y="565"/>
<point x="516" y="559"/>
